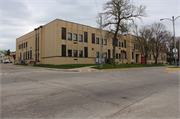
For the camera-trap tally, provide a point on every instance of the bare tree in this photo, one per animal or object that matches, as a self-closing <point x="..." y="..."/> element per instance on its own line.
<point x="157" y="42"/>
<point x="118" y="16"/>
<point x="142" y="38"/>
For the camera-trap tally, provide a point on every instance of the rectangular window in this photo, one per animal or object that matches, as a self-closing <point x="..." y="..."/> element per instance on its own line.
<point x="75" y="53"/>
<point x="102" y="41"/>
<point x="109" y="53"/>
<point x="64" y="33"/>
<point x="150" y="57"/>
<point x="85" y="37"/>
<point x="132" y="55"/>
<point x="125" y="43"/>
<point x="30" y="54"/>
<point x="75" y="37"/>
<point x="120" y="56"/>
<point x="116" y="55"/>
<point x="20" y="56"/>
<point x="80" y="38"/>
<point x="38" y="45"/>
<point x="64" y="50"/>
<point x="122" y="44"/>
<point x="97" y="54"/>
<point x="22" y="45"/>
<point x="69" y="53"/>
<point x="97" y="40"/>
<point x="93" y="38"/>
<point x="116" y="43"/>
<point x="26" y="55"/>
<point x="85" y="52"/>
<point x="105" y="55"/>
<point x="119" y="44"/>
<point x="80" y="53"/>
<point x="105" y="42"/>
<point x="69" y="36"/>
<point x="26" y="44"/>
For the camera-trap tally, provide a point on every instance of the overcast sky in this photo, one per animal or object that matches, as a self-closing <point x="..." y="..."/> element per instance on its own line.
<point x="19" y="17"/>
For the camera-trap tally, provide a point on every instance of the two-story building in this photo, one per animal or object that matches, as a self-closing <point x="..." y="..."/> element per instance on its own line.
<point x="63" y="42"/>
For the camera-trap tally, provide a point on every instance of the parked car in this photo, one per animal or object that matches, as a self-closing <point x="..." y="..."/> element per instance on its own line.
<point x="7" y="61"/>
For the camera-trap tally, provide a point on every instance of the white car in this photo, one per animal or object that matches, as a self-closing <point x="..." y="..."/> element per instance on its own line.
<point x="7" y="61"/>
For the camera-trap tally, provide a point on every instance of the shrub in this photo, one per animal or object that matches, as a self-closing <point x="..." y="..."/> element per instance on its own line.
<point x="110" y="62"/>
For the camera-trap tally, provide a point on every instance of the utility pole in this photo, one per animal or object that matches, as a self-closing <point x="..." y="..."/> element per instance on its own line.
<point x="101" y="65"/>
<point x="174" y="40"/>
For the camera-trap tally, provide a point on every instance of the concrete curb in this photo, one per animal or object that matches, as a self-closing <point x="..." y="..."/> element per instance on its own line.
<point x="122" y="68"/>
<point x="172" y="68"/>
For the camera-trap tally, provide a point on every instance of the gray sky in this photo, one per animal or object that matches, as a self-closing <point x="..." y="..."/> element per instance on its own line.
<point x="19" y="17"/>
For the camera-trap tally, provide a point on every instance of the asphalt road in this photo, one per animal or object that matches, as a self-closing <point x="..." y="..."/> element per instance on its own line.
<point x="130" y="93"/>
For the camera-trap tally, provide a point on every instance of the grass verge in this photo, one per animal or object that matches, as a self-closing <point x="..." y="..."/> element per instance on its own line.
<point x="174" y="67"/>
<point x="96" y="66"/>
<point x="109" y="66"/>
<point x="21" y="64"/>
<point x="65" y="66"/>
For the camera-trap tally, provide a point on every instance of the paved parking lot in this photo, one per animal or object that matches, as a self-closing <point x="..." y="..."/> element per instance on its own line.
<point x="27" y="92"/>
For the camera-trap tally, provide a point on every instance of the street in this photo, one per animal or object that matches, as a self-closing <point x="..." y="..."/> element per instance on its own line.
<point x="28" y="92"/>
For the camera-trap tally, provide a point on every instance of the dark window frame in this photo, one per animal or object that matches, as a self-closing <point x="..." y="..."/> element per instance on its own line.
<point x="81" y="38"/>
<point x="80" y="54"/>
<point x="105" y="41"/>
<point x="97" y="56"/>
<point x="71" y="36"/>
<point x="75" y="55"/>
<point x="97" y="40"/>
<point x="70" y="53"/>
<point x="93" y="38"/>
<point x="85" y="36"/>
<point x="74" y="37"/>
<point x="63" y="34"/>
<point x="63" y="51"/>
<point x="85" y="51"/>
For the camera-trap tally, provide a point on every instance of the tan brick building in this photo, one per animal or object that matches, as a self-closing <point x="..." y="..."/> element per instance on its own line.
<point x="63" y="42"/>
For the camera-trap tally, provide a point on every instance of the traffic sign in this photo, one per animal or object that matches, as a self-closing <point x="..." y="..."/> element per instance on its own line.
<point x="175" y="50"/>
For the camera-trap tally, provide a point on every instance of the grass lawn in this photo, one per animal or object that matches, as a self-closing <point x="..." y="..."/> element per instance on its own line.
<point x="109" y="66"/>
<point x="174" y="67"/>
<point x="65" y="66"/>
<point x="96" y="66"/>
<point x="21" y="64"/>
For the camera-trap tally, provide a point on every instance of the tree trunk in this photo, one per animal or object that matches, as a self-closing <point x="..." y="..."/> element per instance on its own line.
<point x="155" y="60"/>
<point x="146" y="59"/>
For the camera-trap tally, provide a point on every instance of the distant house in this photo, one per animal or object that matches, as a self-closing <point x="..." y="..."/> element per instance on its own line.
<point x="1" y="56"/>
<point x="11" y="56"/>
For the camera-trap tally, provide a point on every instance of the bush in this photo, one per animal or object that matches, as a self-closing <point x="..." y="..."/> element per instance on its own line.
<point x="110" y="62"/>
<point x="126" y="62"/>
<point x="117" y="62"/>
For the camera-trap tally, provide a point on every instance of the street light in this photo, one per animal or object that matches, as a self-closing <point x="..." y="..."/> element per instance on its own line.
<point x="173" y="32"/>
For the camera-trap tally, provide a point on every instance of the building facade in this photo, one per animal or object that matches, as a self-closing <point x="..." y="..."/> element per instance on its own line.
<point x="63" y="42"/>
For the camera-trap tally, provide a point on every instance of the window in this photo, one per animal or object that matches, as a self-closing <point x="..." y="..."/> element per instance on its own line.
<point x="124" y="55"/>
<point x="85" y="37"/>
<point x="80" y="53"/>
<point x="122" y="44"/>
<point x="150" y="57"/>
<point x="116" y="43"/>
<point x="64" y="50"/>
<point x="97" y="40"/>
<point x="102" y="41"/>
<point x="105" y="55"/>
<point x="97" y="54"/>
<point x="105" y="42"/>
<point x="109" y="53"/>
<point x="69" y="53"/>
<point x="26" y="44"/>
<point x="93" y="38"/>
<point x="69" y="36"/>
<point x="26" y="55"/>
<point x="75" y="53"/>
<point x="116" y="55"/>
<point x="125" y="43"/>
<point x="22" y="45"/>
<point x="120" y="56"/>
<point x="80" y="38"/>
<point x="132" y="55"/>
<point x="75" y="37"/>
<point x="38" y="45"/>
<point x="64" y="33"/>
<point x="20" y="56"/>
<point x="30" y="54"/>
<point x="119" y="44"/>
<point x="85" y="52"/>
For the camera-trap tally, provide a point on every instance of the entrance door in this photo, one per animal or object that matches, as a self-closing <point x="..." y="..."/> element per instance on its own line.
<point x="137" y="58"/>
